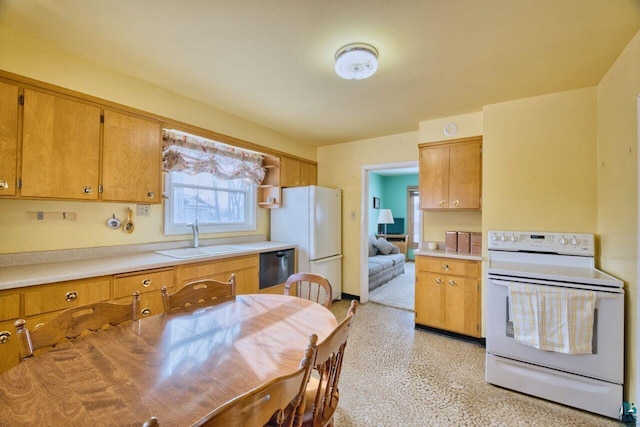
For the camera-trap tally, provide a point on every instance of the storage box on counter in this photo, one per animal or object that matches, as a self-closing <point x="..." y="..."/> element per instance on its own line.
<point x="464" y="242"/>
<point x="451" y="241"/>
<point x="476" y="243"/>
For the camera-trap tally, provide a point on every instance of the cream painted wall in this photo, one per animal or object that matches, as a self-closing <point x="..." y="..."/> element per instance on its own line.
<point x="45" y="63"/>
<point x="539" y="163"/>
<point x="340" y="166"/>
<point x="618" y="191"/>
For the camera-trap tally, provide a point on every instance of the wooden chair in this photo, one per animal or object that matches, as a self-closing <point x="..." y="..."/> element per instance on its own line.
<point x="203" y="293"/>
<point x="73" y="322"/>
<point x="281" y="400"/>
<point x="322" y="392"/>
<point x="151" y="422"/>
<point x="309" y="285"/>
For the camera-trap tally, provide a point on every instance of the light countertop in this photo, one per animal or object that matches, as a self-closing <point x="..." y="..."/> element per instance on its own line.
<point x="50" y="272"/>
<point x="444" y="254"/>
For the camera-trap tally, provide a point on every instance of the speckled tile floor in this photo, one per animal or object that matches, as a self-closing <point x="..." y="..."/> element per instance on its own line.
<point x="395" y="375"/>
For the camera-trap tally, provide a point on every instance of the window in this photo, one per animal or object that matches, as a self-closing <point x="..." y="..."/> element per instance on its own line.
<point x="219" y="205"/>
<point x="211" y="182"/>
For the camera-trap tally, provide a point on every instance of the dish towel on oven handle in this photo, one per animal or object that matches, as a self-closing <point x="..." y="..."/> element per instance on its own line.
<point x="552" y="318"/>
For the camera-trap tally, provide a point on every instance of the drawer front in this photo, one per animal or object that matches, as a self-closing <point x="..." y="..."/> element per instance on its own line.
<point x="9" y="307"/>
<point x="60" y="296"/>
<point x="147" y="281"/>
<point x="150" y="303"/>
<point x="9" y="354"/>
<point x="187" y="273"/>
<point x="448" y="266"/>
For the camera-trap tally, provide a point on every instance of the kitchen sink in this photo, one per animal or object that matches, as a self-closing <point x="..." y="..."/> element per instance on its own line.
<point x="203" y="251"/>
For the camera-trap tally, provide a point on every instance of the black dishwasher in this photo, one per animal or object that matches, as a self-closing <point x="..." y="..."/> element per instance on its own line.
<point x="276" y="267"/>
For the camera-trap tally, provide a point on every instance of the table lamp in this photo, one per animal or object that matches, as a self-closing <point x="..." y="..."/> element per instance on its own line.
<point x="385" y="217"/>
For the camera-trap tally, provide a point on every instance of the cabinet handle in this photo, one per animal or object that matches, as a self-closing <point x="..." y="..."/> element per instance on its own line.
<point x="455" y="202"/>
<point x="5" y="336"/>
<point x="442" y="202"/>
<point x="87" y="190"/>
<point x="146" y="283"/>
<point x="452" y="282"/>
<point x="71" y="296"/>
<point x="146" y="312"/>
<point x="4" y="185"/>
<point x="439" y="281"/>
<point x="151" y="194"/>
<point x="445" y="267"/>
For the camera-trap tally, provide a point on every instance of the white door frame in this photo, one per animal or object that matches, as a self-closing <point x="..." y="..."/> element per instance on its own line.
<point x="364" y="220"/>
<point x="637" y="263"/>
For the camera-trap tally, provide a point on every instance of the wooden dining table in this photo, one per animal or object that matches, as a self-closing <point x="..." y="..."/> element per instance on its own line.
<point x="177" y="367"/>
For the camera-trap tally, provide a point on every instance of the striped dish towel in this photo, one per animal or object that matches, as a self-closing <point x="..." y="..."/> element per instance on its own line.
<point x="552" y="319"/>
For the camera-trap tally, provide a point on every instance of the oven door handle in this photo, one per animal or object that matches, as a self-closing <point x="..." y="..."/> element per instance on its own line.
<point x="600" y="294"/>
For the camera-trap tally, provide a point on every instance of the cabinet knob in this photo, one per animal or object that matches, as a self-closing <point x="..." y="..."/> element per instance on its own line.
<point x="439" y="281"/>
<point x="151" y="194"/>
<point x="146" y="312"/>
<point x="452" y="282"/>
<point x="445" y="267"/>
<point x="146" y="283"/>
<point x="5" y="336"/>
<point x="442" y="202"/>
<point x="4" y="185"/>
<point x="87" y="190"/>
<point x="456" y="202"/>
<point x="71" y="296"/>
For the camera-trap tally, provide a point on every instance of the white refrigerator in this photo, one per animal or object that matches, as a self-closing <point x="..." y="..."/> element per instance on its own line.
<point x="311" y="217"/>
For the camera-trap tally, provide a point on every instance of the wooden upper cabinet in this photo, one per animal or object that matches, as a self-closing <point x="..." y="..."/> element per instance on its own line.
<point x="60" y="147"/>
<point x="131" y="159"/>
<point x="295" y="173"/>
<point x="8" y="139"/>
<point x="308" y="174"/>
<point x="451" y="174"/>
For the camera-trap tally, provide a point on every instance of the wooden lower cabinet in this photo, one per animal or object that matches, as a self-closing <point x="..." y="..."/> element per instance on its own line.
<point x="447" y="294"/>
<point x="149" y="283"/>
<point x="63" y="295"/>
<point x="246" y="269"/>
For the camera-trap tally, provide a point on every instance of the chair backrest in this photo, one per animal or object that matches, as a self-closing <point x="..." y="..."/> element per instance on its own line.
<point x="72" y="322"/>
<point x="329" y="365"/>
<point x="200" y="292"/>
<point x="310" y="286"/>
<point x="280" y="401"/>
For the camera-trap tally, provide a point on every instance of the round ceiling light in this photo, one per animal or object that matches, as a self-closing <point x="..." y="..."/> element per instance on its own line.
<point x="356" y="61"/>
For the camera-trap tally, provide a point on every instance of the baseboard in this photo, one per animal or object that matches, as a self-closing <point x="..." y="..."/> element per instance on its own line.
<point x="482" y="342"/>
<point x="350" y="297"/>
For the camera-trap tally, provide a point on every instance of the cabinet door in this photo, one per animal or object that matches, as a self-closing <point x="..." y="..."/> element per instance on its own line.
<point x="131" y="159"/>
<point x="289" y="172"/>
<point x="9" y="353"/>
<point x="461" y="308"/>
<point x="434" y="177"/>
<point x="60" y="148"/>
<point x="430" y="295"/>
<point x="464" y="183"/>
<point x="247" y="280"/>
<point x="308" y="174"/>
<point x="150" y="303"/>
<point x="8" y="139"/>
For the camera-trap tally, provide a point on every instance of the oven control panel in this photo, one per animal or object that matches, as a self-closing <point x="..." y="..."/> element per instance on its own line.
<point x="527" y="241"/>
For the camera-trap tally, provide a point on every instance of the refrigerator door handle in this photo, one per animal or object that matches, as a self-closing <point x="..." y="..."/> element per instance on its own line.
<point x="323" y="260"/>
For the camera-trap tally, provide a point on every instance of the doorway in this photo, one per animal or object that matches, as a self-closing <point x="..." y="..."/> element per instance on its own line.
<point x="367" y="219"/>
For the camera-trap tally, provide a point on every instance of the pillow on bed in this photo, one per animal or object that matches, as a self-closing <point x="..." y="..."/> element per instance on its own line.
<point x="385" y="247"/>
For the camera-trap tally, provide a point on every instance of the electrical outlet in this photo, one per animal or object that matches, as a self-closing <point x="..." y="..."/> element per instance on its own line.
<point x="144" y="210"/>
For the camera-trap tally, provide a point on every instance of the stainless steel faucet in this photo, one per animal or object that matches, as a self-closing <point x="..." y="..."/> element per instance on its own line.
<point x="196" y="239"/>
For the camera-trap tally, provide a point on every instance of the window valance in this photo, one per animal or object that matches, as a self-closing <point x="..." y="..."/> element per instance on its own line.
<point x="185" y="153"/>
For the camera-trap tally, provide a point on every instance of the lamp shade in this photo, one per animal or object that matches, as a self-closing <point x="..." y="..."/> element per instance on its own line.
<point x="385" y="217"/>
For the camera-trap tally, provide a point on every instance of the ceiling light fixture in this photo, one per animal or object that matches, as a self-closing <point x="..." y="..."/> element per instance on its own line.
<point x="356" y="61"/>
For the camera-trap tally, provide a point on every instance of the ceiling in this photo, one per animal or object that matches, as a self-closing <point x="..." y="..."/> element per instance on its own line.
<point x="272" y="61"/>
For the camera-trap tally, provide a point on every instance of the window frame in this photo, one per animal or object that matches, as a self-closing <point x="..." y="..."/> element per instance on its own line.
<point x="170" y="228"/>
